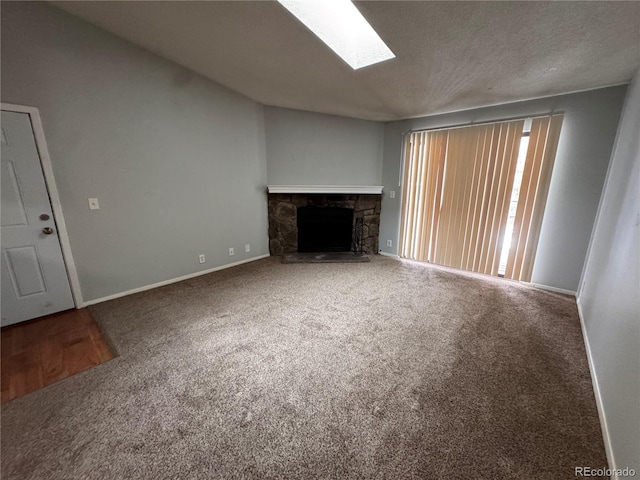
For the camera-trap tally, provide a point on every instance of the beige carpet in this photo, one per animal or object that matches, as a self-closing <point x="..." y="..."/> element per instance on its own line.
<point x="385" y="369"/>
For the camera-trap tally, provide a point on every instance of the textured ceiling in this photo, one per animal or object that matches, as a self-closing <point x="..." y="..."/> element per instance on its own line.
<point x="450" y="55"/>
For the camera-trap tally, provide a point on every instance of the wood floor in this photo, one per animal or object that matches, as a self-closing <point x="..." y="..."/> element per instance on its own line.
<point x="43" y="351"/>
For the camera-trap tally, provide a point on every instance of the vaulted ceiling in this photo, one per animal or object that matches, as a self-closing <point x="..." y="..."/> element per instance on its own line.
<point x="449" y="55"/>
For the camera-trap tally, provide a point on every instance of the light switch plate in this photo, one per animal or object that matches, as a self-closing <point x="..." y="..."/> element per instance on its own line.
<point x="93" y="204"/>
<point x="392" y="194"/>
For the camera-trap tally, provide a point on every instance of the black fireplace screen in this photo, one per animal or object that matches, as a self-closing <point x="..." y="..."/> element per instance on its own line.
<point x="325" y="229"/>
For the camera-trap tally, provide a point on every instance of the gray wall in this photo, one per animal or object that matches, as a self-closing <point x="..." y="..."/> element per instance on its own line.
<point x="305" y="148"/>
<point x="586" y="140"/>
<point x="177" y="162"/>
<point x="609" y="296"/>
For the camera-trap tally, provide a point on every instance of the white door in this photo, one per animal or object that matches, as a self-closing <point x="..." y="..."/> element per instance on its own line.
<point x="34" y="277"/>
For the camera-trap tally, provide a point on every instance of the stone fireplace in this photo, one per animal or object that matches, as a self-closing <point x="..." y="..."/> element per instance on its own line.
<point x="329" y="211"/>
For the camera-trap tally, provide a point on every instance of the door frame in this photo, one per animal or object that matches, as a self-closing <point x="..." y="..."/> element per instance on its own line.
<point x="54" y="198"/>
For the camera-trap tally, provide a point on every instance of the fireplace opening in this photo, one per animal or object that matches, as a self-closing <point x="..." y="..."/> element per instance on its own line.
<point x="324" y="229"/>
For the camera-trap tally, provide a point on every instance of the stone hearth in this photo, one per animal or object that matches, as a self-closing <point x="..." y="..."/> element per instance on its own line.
<point x="283" y="227"/>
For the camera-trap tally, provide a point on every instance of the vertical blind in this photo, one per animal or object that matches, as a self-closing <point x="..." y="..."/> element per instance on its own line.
<point x="541" y="154"/>
<point x="457" y="190"/>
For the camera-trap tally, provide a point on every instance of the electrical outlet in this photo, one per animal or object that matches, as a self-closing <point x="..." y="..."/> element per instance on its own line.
<point x="201" y="257"/>
<point x="247" y="247"/>
<point x="392" y="194"/>
<point x="231" y="252"/>
<point x="93" y="204"/>
<point x="389" y="243"/>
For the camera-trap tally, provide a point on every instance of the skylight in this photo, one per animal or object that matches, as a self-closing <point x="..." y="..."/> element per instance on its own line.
<point x="340" y="25"/>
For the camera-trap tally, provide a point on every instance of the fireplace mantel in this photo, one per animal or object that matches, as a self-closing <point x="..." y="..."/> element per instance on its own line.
<point x="327" y="189"/>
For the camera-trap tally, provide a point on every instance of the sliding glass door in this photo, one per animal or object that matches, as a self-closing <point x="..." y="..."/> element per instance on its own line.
<point x="472" y="197"/>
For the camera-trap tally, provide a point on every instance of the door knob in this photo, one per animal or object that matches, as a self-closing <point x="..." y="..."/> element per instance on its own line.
<point x="47" y="230"/>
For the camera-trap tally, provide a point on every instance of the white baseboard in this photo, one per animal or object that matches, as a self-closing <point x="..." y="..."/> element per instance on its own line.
<point x="385" y="254"/>
<point x="596" y="390"/>
<point x="553" y="289"/>
<point x="173" y="280"/>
